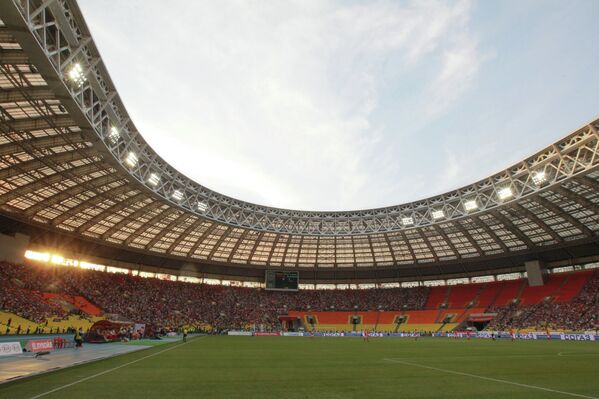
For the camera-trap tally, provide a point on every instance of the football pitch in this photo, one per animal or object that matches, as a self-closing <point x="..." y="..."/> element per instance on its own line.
<point x="300" y="367"/>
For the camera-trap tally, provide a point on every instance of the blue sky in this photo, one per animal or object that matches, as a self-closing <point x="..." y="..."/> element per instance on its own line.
<point x="333" y="105"/>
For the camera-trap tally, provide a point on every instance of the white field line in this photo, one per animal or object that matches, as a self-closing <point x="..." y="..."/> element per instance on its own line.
<point x="490" y="379"/>
<point x="578" y="354"/>
<point x="106" y="371"/>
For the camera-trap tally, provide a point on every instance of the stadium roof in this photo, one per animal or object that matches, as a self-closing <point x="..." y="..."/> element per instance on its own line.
<point x="73" y="164"/>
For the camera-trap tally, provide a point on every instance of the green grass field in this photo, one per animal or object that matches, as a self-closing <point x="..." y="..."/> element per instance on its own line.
<point x="292" y="367"/>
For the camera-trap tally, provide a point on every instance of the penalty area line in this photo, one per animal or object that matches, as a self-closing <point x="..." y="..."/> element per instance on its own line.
<point x="481" y="377"/>
<point x="108" y="371"/>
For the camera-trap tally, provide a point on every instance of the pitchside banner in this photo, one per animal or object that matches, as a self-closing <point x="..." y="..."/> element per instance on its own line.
<point x="39" y="345"/>
<point x="541" y="336"/>
<point x="241" y="333"/>
<point x="10" y="348"/>
<point x="579" y="337"/>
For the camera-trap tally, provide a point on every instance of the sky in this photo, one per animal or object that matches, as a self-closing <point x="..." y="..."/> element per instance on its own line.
<point x="342" y="105"/>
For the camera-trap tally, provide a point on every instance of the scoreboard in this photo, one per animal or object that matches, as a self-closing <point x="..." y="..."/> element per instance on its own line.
<point x="282" y="281"/>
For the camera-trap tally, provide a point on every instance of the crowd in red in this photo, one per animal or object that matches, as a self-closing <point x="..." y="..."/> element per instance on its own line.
<point x="582" y="313"/>
<point x="169" y="304"/>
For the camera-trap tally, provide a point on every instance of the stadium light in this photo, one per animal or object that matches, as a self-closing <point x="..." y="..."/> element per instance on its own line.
<point x="407" y="221"/>
<point x="153" y="179"/>
<point x="202" y="206"/>
<point x="539" y="177"/>
<point x="505" y="193"/>
<point x="57" y="259"/>
<point x="438" y="214"/>
<point x="114" y="134"/>
<point x="131" y="159"/>
<point x="76" y="75"/>
<point x="177" y="195"/>
<point x="470" y="205"/>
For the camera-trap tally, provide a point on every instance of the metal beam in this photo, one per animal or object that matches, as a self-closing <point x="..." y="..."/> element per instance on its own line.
<point x="38" y="123"/>
<point x="13" y="57"/>
<point x="92" y="202"/>
<point x="579" y="199"/>
<point x="132" y="217"/>
<point x="112" y="210"/>
<point x="71" y="192"/>
<point x="184" y="234"/>
<point x="55" y="159"/>
<point x="46" y="182"/>
<point x="145" y="226"/>
<point x="511" y="227"/>
<point x="168" y="229"/>
<point x="42" y="142"/>
<point x="481" y="223"/>
<point x="560" y="212"/>
<point x="469" y="237"/>
<point x="535" y="219"/>
<point x="206" y="233"/>
<point x="235" y="246"/>
<point x="258" y="240"/>
<point x="442" y="233"/>
<point x="26" y="94"/>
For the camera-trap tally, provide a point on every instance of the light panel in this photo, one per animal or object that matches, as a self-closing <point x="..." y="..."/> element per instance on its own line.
<point x="76" y="75"/>
<point x="131" y="159"/>
<point x="505" y="193"/>
<point x="177" y="195"/>
<point x="153" y="179"/>
<point x="114" y="134"/>
<point x="202" y="206"/>
<point x="437" y="214"/>
<point x="539" y="177"/>
<point x="407" y="221"/>
<point x="470" y="205"/>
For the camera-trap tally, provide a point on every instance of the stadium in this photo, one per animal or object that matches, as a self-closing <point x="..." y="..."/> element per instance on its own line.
<point x="490" y="290"/>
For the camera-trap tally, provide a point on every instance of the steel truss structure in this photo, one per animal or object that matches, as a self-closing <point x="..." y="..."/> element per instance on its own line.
<point x="72" y="160"/>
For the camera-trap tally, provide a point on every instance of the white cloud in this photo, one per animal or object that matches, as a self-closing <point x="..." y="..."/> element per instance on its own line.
<point x="275" y="102"/>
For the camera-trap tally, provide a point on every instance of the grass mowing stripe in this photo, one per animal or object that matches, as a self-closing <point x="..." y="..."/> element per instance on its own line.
<point x="108" y="371"/>
<point x="490" y="379"/>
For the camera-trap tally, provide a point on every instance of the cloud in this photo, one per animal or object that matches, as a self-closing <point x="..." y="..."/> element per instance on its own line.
<point x="276" y="102"/>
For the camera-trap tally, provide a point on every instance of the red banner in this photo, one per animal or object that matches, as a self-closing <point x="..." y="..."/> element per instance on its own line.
<point x="39" y="345"/>
<point x="267" y="334"/>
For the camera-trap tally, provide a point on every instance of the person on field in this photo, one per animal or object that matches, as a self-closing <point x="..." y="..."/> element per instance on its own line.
<point x="184" y="334"/>
<point x="78" y="338"/>
<point x="365" y="335"/>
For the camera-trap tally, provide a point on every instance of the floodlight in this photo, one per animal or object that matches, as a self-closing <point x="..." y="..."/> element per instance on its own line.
<point x="202" y="206"/>
<point x="539" y="177"/>
<point x="407" y="221"/>
<point x="131" y="159"/>
<point x="153" y="179"/>
<point x="470" y="205"/>
<point x="438" y="214"/>
<point x="505" y="193"/>
<point x="57" y="259"/>
<point x="114" y="134"/>
<point x="177" y="195"/>
<point x="76" y="74"/>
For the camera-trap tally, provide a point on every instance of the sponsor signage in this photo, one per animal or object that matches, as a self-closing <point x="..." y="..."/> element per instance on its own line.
<point x="292" y="334"/>
<point x="267" y="334"/>
<point x="39" y="345"/>
<point x="10" y="348"/>
<point x="577" y="337"/>
<point x="241" y="333"/>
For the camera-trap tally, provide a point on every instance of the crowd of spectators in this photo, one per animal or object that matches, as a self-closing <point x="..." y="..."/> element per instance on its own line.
<point x="170" y="303"/>
<point x="163" y="303"/>
<point x="582" y="313"/>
